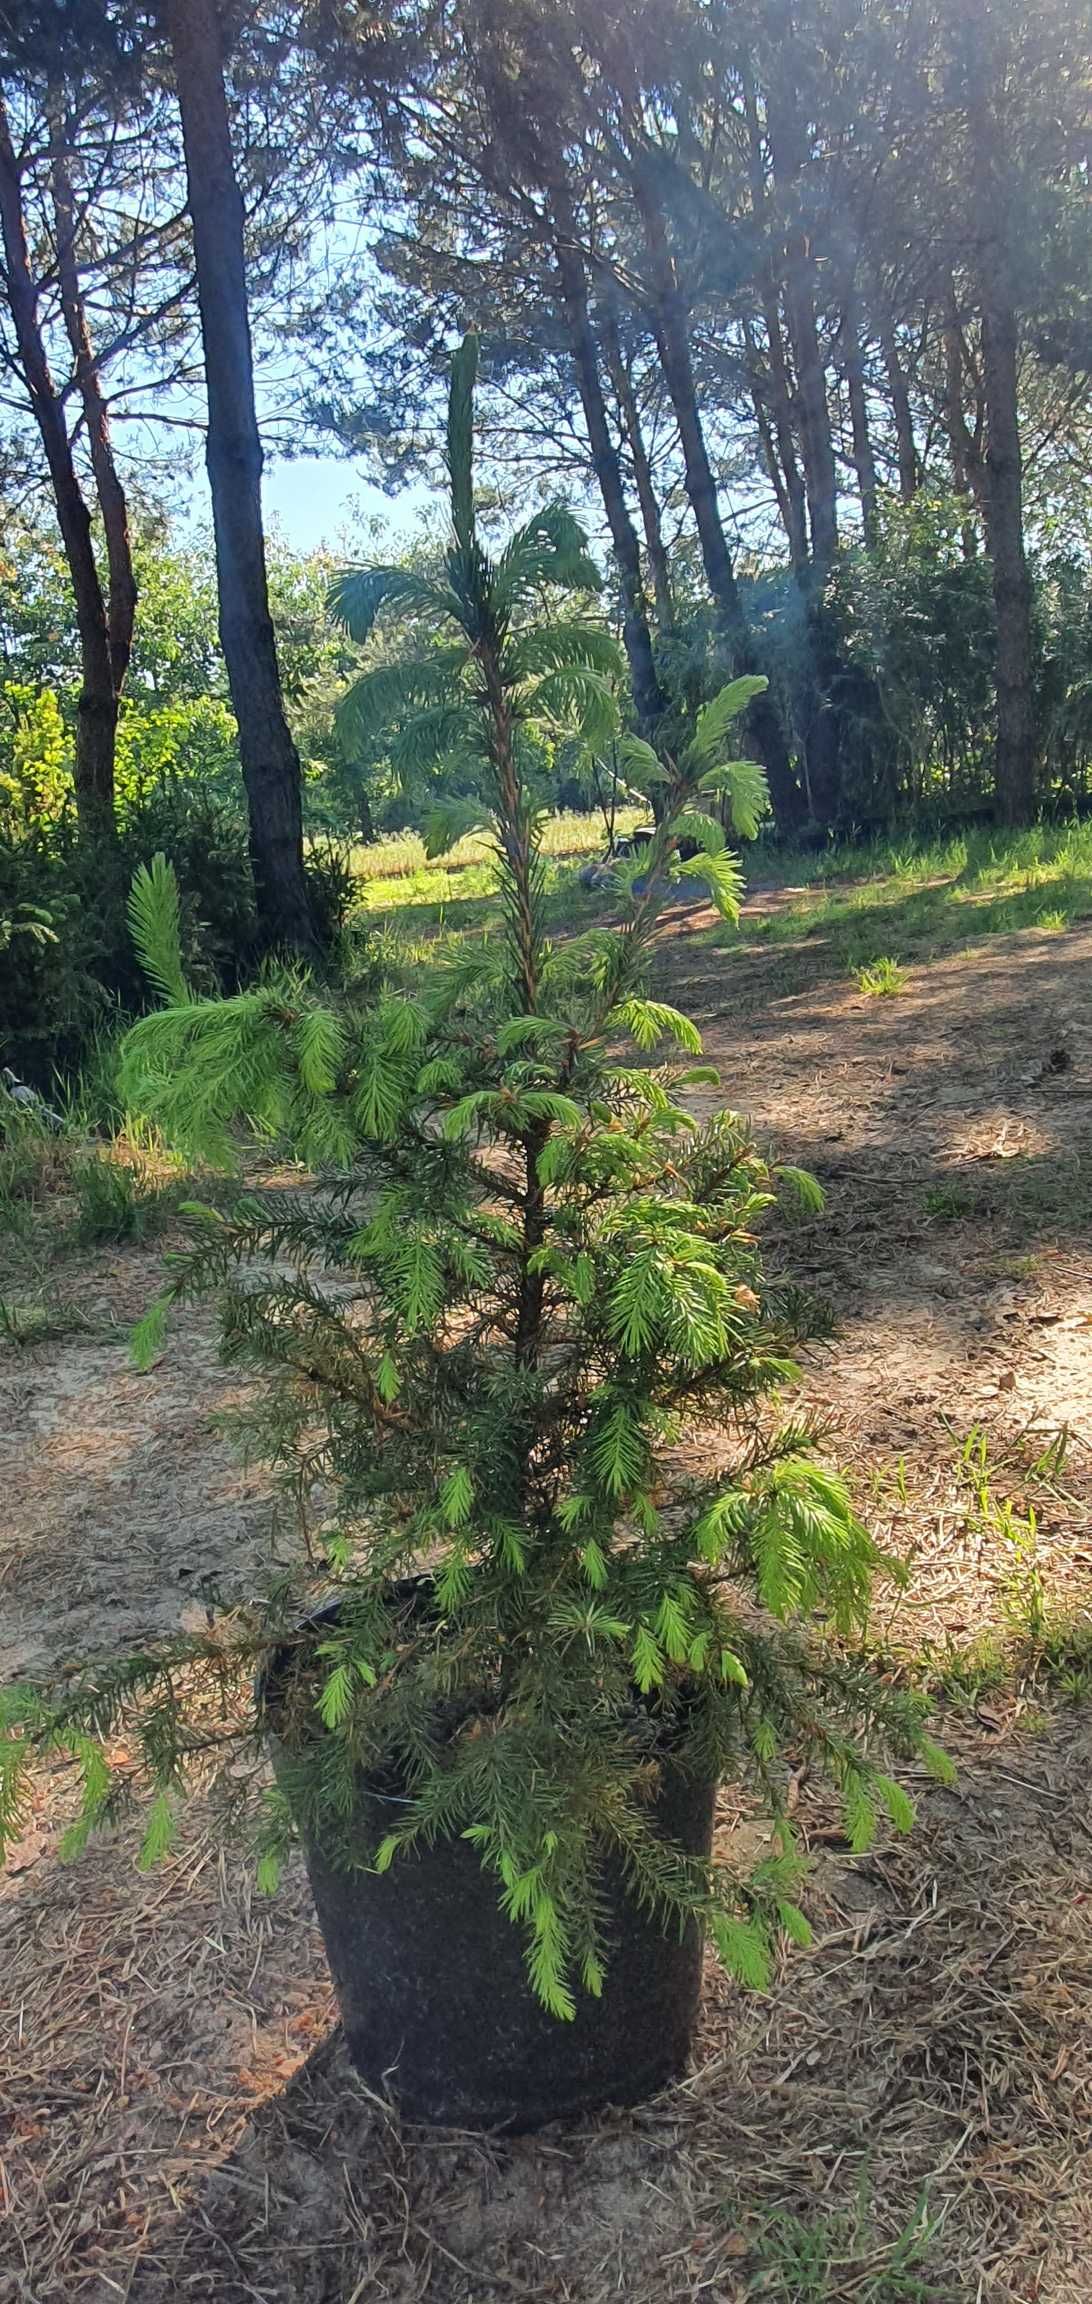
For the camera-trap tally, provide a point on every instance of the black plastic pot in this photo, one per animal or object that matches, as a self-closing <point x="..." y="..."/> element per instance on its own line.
<point x="437" y="2008"/>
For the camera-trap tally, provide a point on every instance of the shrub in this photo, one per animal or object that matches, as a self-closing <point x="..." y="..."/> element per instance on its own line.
<point x="69" y="970"/>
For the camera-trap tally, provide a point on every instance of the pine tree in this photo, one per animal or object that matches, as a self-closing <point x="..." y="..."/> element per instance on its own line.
<point x="528" y="1294"/>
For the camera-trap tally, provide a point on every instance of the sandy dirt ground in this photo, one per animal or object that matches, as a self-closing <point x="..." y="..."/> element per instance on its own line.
<point x="177" y="2116"/>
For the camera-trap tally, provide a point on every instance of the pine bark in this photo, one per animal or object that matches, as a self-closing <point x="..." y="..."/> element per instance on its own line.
<point x="965" y="446"/>
<point x="233" y="456"/>
<point x="796" y="520"/>
<point x="648" y="696"/>
<point x="864" y="461"/>
<point x="816" y="442"/>
<point x="630" y="419"/>
<point x="673" y="343"/>
<point x="97" y="710"/>
<point x="791" y="493"/>
<point x="1015" y="758"/>
<point x="121" y="602"/>
<point x="905" y="445"/>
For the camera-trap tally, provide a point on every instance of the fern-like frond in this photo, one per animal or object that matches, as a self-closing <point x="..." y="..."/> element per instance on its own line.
<point x="450" y="822"/>
<point x="575" y="696"/>
<point x="556" y="647"/>
<point x="550" y="548"/>
<point x="155" y="925"/>
<point x="389" y="693"/>
<point x="743" y="784"/>
<point x="356" y="596"/>
<point x="716" y="718"/>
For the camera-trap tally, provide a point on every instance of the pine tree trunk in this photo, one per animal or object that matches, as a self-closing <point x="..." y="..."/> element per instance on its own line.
<point x="1015" y="763"/>
<point x="797" y="522"/>
<point x="673" y="343"/>
<point x="864" y="462"/>
<point x="97" y="711"/>
<point x="795" y="511"/>
<point x="122" y="590"/>
<point x="968" y="463"/>
<point x="785" y="128"/>
<point x="648" y="696"/>
<point x="1016" y="752"/>
<point x="817" y="446"/>
<point x="630" y="419"/>
<point x="270" y="763"/>
<point x="906" y="450"/>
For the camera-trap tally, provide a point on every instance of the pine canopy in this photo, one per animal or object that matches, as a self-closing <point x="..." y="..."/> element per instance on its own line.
<point x="521" y="1343"/>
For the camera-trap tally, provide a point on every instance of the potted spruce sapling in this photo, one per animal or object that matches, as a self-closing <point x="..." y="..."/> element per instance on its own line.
<point x="521" y="1338"/>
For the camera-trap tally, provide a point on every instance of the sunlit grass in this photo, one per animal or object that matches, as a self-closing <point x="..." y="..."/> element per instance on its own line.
<point x="401" y="855"/>
<point x="456" y="895"/>
<point x="926" y="897"/>
<point x="882" y="979"/>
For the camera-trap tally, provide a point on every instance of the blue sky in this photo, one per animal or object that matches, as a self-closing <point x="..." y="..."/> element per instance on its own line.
<point x="310" y="499"/>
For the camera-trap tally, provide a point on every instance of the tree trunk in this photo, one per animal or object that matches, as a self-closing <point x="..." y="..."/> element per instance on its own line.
<point x="630" y="419"/>
<point x="673" y="342"/>
<point x="864" y="462"/>
<point x="270" y="762"/>
<point x="122" y="590"/>
<point x="820" y="477"/>
<point x="648" y="696"/>
<point x="817" y="446"/>
<point x="965" y="446"/>
<point x="97" y="711"/>
<point x="786" y="135"/>
<point x="1015" y="764"/>
<point x="909" y="470"/>
<point x="794" y="515"/>
<point x="796" y="524"/>
<point x="759" y="398"/>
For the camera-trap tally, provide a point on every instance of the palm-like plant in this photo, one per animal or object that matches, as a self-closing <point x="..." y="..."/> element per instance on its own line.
<point x="525" y="1339"/>
<point x="488" y="644"/>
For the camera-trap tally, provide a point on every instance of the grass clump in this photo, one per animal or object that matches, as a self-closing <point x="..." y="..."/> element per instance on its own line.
<point x="117" y="1199"/>
<point x="838" y="2257"/>
<point x="881" y="979"/>
<point x="26" y="1324"/>
<point x="403" y="855"/>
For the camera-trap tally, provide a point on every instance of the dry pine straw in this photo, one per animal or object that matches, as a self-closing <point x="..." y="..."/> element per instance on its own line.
<point x="177" y="2117"/>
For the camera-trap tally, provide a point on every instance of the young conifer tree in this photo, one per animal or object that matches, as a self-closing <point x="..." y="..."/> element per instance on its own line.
<point x="522" y="1337"/>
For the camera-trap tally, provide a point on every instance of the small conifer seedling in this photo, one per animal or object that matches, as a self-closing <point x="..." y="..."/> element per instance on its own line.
<point x="517" y="1344"/>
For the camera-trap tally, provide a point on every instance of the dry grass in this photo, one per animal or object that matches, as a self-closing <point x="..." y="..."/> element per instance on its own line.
<point x="178" y="2117"/>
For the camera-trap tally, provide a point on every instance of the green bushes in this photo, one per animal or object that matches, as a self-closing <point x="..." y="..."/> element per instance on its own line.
<point x="67" y="966"/>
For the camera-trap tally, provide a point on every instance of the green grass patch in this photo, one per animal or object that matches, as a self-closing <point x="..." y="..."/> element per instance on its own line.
<point x="401" y="856"/>
<point x="923" y="898"/>
<point x="117" y="1199"/>
<point x="881" y="979"/>
<point x="23" y="1324"/>
<point x="836" y="2255"/>
<point x="437" y="901"/>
